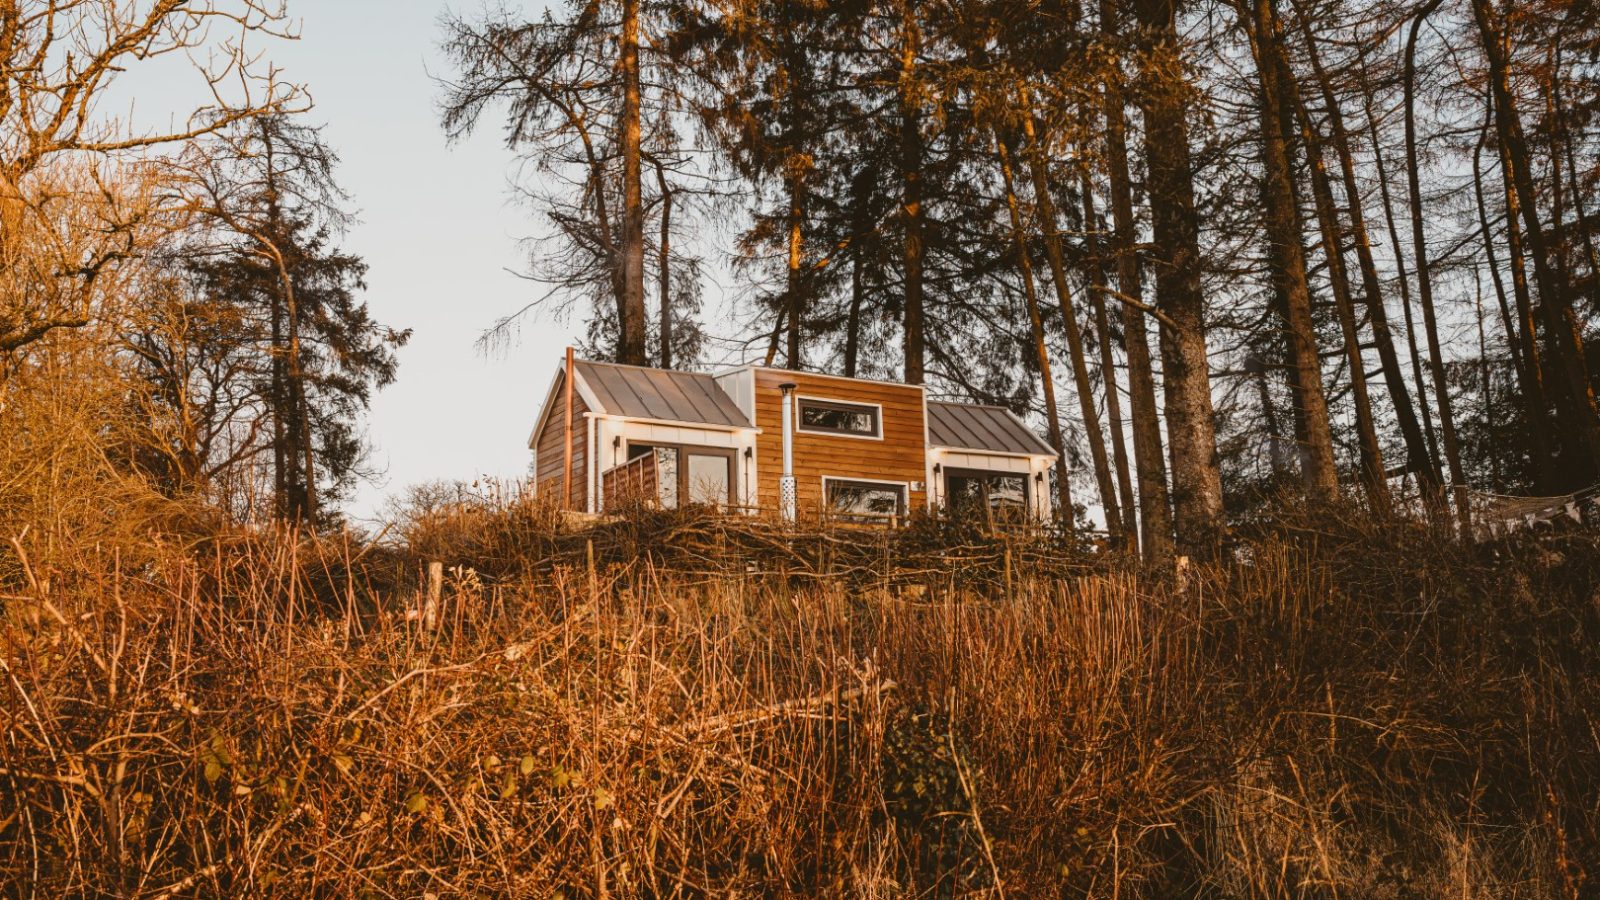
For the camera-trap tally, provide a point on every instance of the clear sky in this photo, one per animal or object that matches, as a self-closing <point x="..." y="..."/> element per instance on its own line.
<point x="439" y="233"/>
<point x="437" y="228"/>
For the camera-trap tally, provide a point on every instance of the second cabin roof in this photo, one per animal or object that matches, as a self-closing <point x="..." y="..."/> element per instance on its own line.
<point x="666" y="394"/>
<point x="670" y="395"/>
<point x="991" y="429"/>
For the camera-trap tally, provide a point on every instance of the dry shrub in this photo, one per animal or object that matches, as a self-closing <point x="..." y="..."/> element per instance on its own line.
<point x="69" y="426"/>
<point x="671" y="706"/>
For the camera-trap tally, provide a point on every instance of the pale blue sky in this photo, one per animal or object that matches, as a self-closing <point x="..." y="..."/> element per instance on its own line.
<point x="439" y="234"/>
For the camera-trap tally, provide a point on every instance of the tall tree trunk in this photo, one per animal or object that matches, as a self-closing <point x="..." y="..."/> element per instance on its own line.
<point x="1432" y="479"/>
<point x="299" y="498"/>
<point x="1569" y="158"/>
<point x="1373" y="474"/>
<point x="1485" y="383"/>
<point x="1036" y="325"/>
<point x="665" y="272"/>
<point x="794" y="301"/>
<point x="1419" y="248"/>
<point x="286" y="418"/>
<point x="771" y="356"/>
<point x="1560" y="237"/>
<point x="911" y="192"/>
<point x="1417" y="457"/>
<point x="1046" y="213"/>
<point x="630" y="313"/>
<point x="1096" y="266"/>
<point x="852" y="325"/>
<point x="1486" y="231"/>
<point x="1191" y="428"/>
<point x="1527" y="327"/>
<point x="1519" y="325"/>
<point x="278" y="392"/>
<point x="302" y="483"/>
<point x="1284" y="230"/>
<point x="1155" y="513"/>
<point x="861" y="226"/>
<point x="307" y="449"/>
<point x="1256" y="368"/>
<point x="1564" y="342"/>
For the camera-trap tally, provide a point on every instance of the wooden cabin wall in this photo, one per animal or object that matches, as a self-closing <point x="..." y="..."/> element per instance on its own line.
<point x="548" y="455"/>
<point x="901" y="454"/>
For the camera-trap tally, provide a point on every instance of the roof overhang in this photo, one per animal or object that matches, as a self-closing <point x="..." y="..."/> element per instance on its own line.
<point x="977" y="451"/>
<point x="677" y="423"/>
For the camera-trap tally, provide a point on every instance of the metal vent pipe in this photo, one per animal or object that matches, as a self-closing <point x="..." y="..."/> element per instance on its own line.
<point x="786" y="486"/>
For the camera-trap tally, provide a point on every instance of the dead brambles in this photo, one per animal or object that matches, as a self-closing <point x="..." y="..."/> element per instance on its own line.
<point x="676" y="707"/>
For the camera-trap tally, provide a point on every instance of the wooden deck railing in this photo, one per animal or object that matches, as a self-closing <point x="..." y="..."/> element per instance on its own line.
<point x="636" y="481"/>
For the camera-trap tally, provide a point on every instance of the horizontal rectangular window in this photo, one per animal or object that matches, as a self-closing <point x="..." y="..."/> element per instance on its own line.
<point x="967" y="490"/>
<point x="865" y="501"/>
<point x="834" y="417"/>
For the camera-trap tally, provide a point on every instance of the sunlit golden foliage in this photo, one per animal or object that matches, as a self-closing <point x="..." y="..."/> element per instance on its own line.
<point x="1345" y="713"/>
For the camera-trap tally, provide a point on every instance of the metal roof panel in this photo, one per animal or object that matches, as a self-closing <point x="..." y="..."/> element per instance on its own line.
<point x="991" y="429"/>
<point x="662" y="394"/>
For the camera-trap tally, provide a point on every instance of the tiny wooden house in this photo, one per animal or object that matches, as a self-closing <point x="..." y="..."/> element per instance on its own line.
<point x="857" y="449"/>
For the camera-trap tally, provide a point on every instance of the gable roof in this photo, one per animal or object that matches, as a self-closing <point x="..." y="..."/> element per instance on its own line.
<point x="663" y="394"/>
<point x="988" y="429"/>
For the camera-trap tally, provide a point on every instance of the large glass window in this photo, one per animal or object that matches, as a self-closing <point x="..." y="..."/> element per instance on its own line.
<point x="833" y="417"/>
<point x="976" y="490"/>
<point x="865" y="501"/>
<point x="689" y="474"/>
<point x="709" y="477"/>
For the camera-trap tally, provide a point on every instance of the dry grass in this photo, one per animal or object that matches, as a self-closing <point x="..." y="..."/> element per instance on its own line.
<point x="671" y="706"/>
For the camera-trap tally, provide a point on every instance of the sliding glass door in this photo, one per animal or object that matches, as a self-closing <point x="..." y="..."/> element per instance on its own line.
<point x="690" y="475"/>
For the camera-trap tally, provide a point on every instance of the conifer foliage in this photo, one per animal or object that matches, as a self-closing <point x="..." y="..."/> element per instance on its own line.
<point x="1228" y="247"/>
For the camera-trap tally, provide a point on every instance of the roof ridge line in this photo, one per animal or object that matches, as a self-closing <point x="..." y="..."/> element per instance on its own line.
<point x="618" y="365"/>
<point x="973" y="403"/>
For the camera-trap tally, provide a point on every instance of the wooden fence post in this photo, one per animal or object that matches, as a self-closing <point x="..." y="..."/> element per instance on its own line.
<point x="430" y="606"/>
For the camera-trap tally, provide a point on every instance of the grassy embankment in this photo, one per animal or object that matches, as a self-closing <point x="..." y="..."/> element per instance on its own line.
<point x="673" y="706"/>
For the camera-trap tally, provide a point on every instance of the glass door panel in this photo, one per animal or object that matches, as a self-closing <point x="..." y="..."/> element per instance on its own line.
<point x="667" y="476"/>
<point x="709" y="478"/>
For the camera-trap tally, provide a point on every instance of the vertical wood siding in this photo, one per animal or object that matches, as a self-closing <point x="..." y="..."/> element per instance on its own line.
<point x="548" y="456"/>
<point x="900" y="456"/>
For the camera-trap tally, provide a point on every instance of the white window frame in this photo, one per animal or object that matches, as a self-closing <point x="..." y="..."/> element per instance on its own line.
<point x="904" y="486"/>
<point x="799" y="420"/>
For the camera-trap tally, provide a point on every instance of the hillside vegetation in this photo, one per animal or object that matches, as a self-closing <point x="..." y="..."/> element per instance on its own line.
<point x="673" y="705"/>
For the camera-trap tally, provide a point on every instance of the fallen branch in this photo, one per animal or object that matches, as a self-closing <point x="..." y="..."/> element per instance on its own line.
<point x="786" y="708"/>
